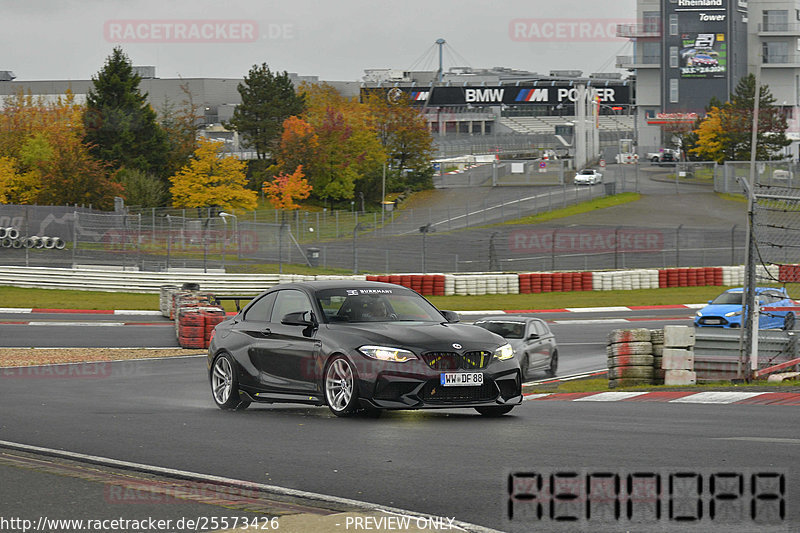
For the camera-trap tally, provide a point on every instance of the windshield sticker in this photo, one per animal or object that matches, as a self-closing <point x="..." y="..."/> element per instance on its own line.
<point x="356" y="292"/>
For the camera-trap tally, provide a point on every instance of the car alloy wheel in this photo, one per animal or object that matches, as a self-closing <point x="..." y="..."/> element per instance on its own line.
<point x="225" y="384"/>
<point x="340" y="383"/>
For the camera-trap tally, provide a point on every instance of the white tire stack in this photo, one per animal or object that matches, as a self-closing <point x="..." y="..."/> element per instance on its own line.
<point x="630" y="358"/>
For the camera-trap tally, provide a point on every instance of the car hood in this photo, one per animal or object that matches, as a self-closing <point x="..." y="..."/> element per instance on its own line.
<point x="419" y="336"/>
<point x="719" y="309"/>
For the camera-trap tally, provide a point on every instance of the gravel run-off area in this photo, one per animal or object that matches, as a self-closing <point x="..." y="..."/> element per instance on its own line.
<point x="16" y="357"/>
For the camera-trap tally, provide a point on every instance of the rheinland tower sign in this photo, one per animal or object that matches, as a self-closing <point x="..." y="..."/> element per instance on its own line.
<point x="704" y="45"/>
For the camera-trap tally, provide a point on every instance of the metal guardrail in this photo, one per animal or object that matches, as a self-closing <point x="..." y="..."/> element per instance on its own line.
<point x="724" y="343"/>
<point x="135" y="281"/>
<point x="716" y="351"/>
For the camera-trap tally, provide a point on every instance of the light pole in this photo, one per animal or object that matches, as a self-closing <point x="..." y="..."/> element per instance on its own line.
<point x="169" y="238"/>
<point x="224" y="217"/>
<point x="356" y="228"/>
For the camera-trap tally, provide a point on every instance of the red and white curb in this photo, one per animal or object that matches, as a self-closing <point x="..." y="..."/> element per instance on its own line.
<point x="709" y="397"/>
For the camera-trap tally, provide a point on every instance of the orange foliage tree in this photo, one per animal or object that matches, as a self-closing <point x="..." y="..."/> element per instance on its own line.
<point x="286" y="188"/>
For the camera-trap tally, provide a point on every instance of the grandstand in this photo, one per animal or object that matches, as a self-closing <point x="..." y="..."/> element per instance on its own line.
<point x="532" y="125"/>
<point x="505" y="110"/>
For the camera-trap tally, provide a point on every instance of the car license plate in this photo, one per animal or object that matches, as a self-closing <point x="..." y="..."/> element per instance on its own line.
<point x="461" y="379"/>
<point x="713" y="321"/>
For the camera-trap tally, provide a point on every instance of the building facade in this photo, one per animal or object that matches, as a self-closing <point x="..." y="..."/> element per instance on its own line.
<point x="687" y="51"/>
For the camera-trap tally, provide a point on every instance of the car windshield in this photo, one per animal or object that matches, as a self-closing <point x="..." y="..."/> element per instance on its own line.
<point x="376" y="305"/>
<point x="589" y="172"/>
<point x="507" y="329"/>
<point x="728" y="298"/>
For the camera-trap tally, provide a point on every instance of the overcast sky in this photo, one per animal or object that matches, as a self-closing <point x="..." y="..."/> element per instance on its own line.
<point x="332" y="39"/>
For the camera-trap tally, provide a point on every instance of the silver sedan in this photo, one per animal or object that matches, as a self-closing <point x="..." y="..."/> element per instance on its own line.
<point x="533" y="343"/>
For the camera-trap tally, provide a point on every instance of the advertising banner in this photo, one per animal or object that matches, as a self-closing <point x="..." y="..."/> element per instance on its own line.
<point x="616" y="94"/>
<point x="703" y="55"/>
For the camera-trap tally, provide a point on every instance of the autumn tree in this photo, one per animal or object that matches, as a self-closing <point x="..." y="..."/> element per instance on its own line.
<point x="298" y="145"/>
<point x="267" y="100"/>
<point x="45" y="159"/>
<point x="210" y="180"/>
<point x="121" y="126"/>
<point x="286" y="188"/>
<point x="404" y="135"/>
<point x="349" y="153"/>
<point x="726" y="133"/>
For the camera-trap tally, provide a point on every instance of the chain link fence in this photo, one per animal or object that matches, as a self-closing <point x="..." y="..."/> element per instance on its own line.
<point x="404" y="240"/>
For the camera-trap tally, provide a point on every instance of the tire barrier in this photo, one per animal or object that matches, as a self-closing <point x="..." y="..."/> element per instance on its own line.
<point x="212" y="315"/>
<point x="10" y="238"/>
<point x="165" y="299"/>
<point x="425" y="284"/>
<point x="538" y="282"/>
<point x="195" y="318"/>
<point x="691" y="277"/>
<point x="630" y="358"/>
<point x="657" y="340"/>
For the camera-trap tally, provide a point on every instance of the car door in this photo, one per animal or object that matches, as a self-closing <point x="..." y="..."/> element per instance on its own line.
<point x="535" y="345"/>
<point x="252" y="329"/>
<point x="285" y="355"/>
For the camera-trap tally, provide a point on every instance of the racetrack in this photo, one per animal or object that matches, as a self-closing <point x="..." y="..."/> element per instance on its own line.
<point x="447" y="463"/>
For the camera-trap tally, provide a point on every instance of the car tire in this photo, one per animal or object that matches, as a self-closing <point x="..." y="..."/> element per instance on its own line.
<point x="788" y="322"/>
<point x="524" y="367"/>
<point x="340" y="386"/>
<point x="553" y="368"/>
<point x="493" y="411"/>
<point x="225" y="384"/>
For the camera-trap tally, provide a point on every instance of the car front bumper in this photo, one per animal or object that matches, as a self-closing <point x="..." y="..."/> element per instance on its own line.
<point x="394" y="390"/>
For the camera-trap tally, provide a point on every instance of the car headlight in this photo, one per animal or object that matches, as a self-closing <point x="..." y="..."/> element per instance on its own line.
<point x="504" y="352"/>
<point x="698" y="314"/>
<point x="734" y="313"/>
<point x="386" y="353"/>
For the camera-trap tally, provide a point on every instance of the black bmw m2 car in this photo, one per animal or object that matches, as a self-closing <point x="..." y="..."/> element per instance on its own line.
<point x="358" y="346"/>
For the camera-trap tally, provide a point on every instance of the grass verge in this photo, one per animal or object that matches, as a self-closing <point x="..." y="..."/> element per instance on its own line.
<point x="578" y="209"/>
<point x="71" y="299"/>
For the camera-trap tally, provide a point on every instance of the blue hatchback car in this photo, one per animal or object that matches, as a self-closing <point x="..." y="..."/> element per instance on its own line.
<point x="725" y="311"/>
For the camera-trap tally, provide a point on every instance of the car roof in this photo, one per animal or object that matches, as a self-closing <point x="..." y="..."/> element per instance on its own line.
<point x="338" y="284"/>
<point x="759" y="290"/>
<point x="508" y="318"/>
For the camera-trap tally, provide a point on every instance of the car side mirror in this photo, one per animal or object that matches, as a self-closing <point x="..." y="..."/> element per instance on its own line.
<point x="533" y="336"/>
<point x="451" y="316"/>
<point x="300" y="318"/>
<point x="709" y="302"/>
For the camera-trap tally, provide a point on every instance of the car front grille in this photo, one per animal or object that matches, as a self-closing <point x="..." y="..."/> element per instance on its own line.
<point x="434" y="392"/>
<point x="454" y="361"/>
<point x="712" y="321"/>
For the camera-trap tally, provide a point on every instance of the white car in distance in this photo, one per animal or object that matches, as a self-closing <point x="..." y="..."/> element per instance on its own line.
<point x="587" y="176"/>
